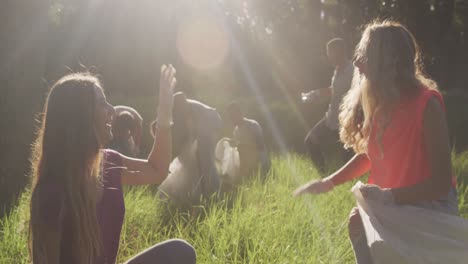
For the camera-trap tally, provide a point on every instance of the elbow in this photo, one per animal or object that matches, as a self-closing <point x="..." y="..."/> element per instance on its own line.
<point x="162" y="174"/>
<point x="158" y="177"/>
<point x="158" y="174"/>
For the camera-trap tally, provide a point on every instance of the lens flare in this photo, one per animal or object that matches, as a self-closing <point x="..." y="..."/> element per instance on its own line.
<point x="202" y="42"/>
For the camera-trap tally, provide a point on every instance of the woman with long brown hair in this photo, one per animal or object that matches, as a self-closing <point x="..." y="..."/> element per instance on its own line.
<point x="77" y="207"/>
<point x="394" y="119"/>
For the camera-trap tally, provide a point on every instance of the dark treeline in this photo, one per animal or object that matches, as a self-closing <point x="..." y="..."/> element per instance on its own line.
<point x="274" y="48"/>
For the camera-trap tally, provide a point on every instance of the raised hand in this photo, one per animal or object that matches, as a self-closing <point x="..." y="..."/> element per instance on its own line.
<point x="167" y="83"/>
<point x="315" y="187"/>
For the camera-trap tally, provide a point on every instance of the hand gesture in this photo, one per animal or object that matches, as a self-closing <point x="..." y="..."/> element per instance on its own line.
<point x="315" y="187"/>
<point x="167" y="83"/>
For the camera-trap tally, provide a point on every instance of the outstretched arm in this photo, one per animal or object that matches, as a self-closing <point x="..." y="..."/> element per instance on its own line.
<point x="155" y="169"/>
<point x="356" y="167"/>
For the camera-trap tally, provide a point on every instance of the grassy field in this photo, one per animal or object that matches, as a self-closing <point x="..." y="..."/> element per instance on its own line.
<point x="263" y="223"/>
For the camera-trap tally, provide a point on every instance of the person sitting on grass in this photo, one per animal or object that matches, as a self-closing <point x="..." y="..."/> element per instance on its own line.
<point x="394" y="118"/>
<point x="77" y="203"/>
<point x="248" y="137"/>
<point x="137" y="126"/>
<point x="193" y="177"/>
<point x="122" y="140"/>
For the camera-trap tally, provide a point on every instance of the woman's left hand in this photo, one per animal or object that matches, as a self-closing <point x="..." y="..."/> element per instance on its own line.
<point x="374" y="192"/>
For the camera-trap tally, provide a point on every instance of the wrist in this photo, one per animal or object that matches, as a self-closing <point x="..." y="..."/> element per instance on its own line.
<point x="164" y="119"/>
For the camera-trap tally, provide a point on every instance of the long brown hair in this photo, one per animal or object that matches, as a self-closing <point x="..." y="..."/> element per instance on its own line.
<point x="66" y="155"/>
<point x="393" y="71"/>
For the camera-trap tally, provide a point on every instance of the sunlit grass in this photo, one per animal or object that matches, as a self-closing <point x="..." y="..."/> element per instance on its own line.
<point x="262" y="223"/>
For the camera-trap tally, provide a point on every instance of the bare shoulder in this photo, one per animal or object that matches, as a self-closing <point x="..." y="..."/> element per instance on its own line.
<point x="434" y="120"/>
<point x="434" y="110"/>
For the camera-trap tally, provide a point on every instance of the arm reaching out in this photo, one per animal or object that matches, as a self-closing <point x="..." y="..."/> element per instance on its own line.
<point x="356" y="167"/>
<point x="155" y="169"/>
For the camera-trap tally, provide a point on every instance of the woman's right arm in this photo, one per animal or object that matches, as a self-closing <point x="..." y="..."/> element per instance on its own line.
<point x="356" y="167"/>
<point x="156" y="168"/>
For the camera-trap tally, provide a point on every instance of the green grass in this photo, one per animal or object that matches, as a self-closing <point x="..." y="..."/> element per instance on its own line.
<point x="263" y="223"/>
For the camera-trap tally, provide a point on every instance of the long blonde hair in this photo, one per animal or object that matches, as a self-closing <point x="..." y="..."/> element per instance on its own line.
<point x="393" y="71"/>
<point x="66" y="155"/>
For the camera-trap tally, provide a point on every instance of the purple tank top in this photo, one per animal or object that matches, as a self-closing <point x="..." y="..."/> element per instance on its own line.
<point x="110" y="211"/>
<point x="111" y="208"/>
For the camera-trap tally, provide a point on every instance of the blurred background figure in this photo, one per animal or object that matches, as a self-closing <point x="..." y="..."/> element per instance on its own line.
<point x="122" y="140"/>
<point x="135" y="128"/>
<point x="195" y="131"/>
<point x="326" y="131"/>
<point x="249" y="140"/>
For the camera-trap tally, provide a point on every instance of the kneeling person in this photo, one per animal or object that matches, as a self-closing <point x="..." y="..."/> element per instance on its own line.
<point x="248" y="137"/>
<point x="195" y="131"/>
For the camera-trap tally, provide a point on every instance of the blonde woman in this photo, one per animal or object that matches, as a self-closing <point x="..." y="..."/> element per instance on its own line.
<point x="77" y="207"/>
<point x="394" y="119"/>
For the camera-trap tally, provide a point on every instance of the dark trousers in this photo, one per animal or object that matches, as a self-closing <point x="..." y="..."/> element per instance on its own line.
<point x="318" y="139"/>
<point x="174" y="251"/>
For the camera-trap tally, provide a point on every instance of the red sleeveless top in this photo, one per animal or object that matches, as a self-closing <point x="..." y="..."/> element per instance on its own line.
<point x="402" y="159"/>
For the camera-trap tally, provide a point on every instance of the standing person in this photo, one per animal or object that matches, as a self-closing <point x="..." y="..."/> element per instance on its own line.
<point x="136" y="129"/>
<point x="394" y="118"/>
<point x="248" y="137"/>
<point x="77" y="204"/>
<point x="326" y="130"/>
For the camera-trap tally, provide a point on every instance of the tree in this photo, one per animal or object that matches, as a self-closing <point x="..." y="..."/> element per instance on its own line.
<point x="24" y="37"/>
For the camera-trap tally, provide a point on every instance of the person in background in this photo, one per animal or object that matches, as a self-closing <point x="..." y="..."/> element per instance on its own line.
<point x="137" y="127"/>
<point x="394" y="118"/>
<point x="77" y="203"/>
<point x="122" y="140"/>
<point x="195" y="125"/>
<point x="327" y="129"/>
<point x="249" y="139"/>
